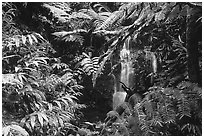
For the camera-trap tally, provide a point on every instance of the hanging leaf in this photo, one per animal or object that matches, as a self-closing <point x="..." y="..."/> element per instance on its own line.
<point x="64" y="101"/>
<point x="61" y="122"/>
<point x="17" y="41"/>
<point x="40" y="119"/>
<point x="23" y="39"/>
<point x="32" y="121"/>
<point x="39" y="37"/>
<point x="34" y="38"/>
<point x="27" y="124"/>
<point x="45" y="117"/>
<point x="49" y="106"/>
<point x="30" y="39"/>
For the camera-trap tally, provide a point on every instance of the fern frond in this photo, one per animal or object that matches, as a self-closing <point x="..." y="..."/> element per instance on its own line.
<point x="184" y="107"/>
<point x="98" y="7"/>
<point x="90" y="65"/>
<point x="104" y="15"/>
<point x="74" y="38"/>
<point x="61" y="5"/>
<point x="57" y="12"/>
<point x="65" y="33"/>
<point x="67" y="78"/>
<point x="71" y="36"/>
<point x="79" y="15"/>
<point x="90" y="13"/>
<point x="105" y="32"/>
<point x="59" y="65"/>
<point x="111" y="20"/>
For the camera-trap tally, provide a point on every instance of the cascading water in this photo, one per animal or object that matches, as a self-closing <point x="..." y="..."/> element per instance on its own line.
<point x="126" y="75"/>
<point x="126" y="66"/>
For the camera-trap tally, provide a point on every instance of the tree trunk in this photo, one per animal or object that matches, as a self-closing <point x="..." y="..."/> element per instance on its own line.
<point x="192" y="37"/>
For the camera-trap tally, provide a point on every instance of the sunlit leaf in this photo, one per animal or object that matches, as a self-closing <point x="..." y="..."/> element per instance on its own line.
<point x="61" y="122"/>
<point x="32" y="121"/>
<point x="17" y="41"/>
<point x="5" y="131"/>
<point x="40" y="119"/>
<point x="27" y="124"/>
<point x="30" y="39"/>
<point x="23" y="39"/>
<point x="45" y="117"/>
<point x="50" y="106"/>
<point x="34" y="38"/>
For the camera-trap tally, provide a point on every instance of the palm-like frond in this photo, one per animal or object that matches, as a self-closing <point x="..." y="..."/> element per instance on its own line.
<point x="90" y="65"/>
<point x="114" y="18"/>
<point x="90" y="13"/>
<point x="79" y="15"/>
<point x="57" y="12"/>
<point x="97" y="18"/>
<point x="71" y="36"/>
<point x="65" y="33"/>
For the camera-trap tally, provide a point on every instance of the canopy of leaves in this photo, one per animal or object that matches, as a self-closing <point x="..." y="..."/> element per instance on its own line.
<point x="58" y="55"/>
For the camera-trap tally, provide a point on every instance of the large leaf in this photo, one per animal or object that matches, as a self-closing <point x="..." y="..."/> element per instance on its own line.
<point x="6" y="131"/>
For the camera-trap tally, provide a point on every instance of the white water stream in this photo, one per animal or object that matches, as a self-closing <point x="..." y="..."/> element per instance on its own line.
<point x="126" y="66"/>
<point x="126" y="75"/>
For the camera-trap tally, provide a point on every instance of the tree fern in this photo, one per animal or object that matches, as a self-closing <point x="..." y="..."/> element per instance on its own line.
<point x="113" y="18"/>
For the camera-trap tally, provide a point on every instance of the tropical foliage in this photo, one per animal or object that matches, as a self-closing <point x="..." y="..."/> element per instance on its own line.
<point x="58" y="59"/>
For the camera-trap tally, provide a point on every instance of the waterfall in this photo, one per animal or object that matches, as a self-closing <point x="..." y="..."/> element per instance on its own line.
<point x="126" y="75"/>
<point x="126" y="66"/>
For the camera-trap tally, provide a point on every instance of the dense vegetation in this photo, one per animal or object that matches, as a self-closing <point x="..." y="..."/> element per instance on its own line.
<point x="58" y="60"/>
